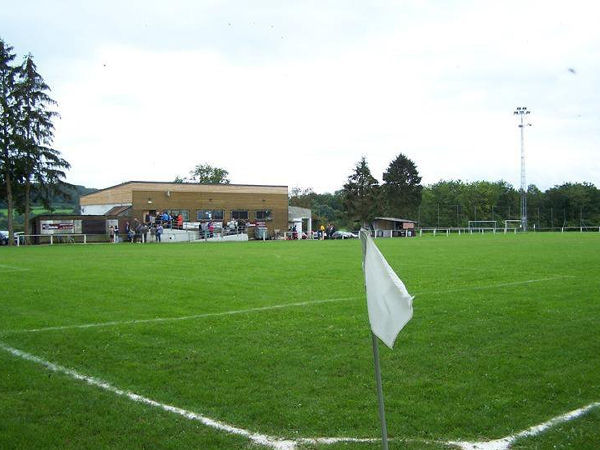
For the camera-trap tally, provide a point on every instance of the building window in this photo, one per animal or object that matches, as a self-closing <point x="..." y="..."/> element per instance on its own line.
<point x="210" y="214"/>
<point x="263" y="215"/>
<point x="239" y="214"/>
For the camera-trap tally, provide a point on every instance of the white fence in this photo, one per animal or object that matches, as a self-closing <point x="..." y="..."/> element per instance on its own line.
<point x="51" y="239"/>
<point x="448" y="231"/>
<point x="451" y="230"/>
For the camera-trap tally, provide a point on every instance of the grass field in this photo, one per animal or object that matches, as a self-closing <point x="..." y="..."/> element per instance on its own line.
<point x="273" y="338"/>
<point x="37" y="210"/>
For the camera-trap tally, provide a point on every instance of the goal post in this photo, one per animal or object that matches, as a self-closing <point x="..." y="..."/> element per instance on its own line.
<point x="512" y="224"/>
<point x="482" y="225"/>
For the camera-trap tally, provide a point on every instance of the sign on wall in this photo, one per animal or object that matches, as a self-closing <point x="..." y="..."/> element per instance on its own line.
<point x="60" y="226"/>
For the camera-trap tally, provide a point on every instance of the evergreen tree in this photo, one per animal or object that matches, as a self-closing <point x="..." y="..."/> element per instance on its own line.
<point x="361" y="194"/>
<point x="38" y="164"/>
<point x="402" y="188"/>
<point x="7" y="131"/>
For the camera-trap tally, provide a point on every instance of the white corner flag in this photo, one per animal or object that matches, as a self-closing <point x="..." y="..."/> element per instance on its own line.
<point x="388" y="302"/>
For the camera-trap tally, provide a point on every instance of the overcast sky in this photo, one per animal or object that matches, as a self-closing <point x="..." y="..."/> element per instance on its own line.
<point x="295" y="92"/>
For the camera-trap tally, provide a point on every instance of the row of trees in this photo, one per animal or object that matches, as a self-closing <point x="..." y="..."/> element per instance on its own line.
<point x="29" y="166"/>
<point x="454" y="203"/>
<point x="447" y="203"/>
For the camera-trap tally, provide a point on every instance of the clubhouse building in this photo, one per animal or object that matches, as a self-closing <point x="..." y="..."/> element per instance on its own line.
<point x="196" y="203"/>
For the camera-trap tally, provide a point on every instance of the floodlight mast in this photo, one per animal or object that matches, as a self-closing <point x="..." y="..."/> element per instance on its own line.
<point x="522" y="111"/>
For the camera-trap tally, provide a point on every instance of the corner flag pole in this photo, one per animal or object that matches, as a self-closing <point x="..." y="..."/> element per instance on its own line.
<point x="389" y="306"/>
<point x="384" y="436"/>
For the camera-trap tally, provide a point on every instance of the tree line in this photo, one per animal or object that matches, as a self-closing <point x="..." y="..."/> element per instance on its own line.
<point x="30" y="168"/>
<point x="447" y="204"/>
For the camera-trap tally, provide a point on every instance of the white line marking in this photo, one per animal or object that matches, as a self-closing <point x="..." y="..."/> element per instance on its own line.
<point x="12" y="268"/>
<point x="493" y="286"/>
<point x="171" y="319"/>
<point x="287" y="444"/>
<point x="266" y="308"/>
<point x="340" y="440"/>
<point x="505" y="443"/>
<point x="262" y="439"/>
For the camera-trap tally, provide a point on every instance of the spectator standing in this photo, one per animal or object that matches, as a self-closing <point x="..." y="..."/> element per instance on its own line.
<point x="159" y="232"/>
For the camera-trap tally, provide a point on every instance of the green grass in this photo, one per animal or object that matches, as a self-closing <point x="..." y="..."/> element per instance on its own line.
<point x="505" y="335"/>
<point x="37" y="210"/>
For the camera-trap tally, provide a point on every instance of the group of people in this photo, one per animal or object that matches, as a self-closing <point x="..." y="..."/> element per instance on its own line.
<point x="166" y="219"/>
<point x="137" y="232"/>
<point x="154" y="225"/>
<point x="152" y="229"/>
<point x="208" y="228"/>
<point x="324" y="232"/>
<point x="113" y="232"/>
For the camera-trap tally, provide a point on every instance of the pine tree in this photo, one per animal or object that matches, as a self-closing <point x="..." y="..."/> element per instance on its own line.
<point x="7" y="130"/>
<point x="361" y="194"/>
<point x="402" y="188"/>
<point x="38" y="164"/>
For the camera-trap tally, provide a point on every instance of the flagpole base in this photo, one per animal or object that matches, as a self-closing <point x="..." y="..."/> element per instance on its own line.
<point x="384" y="435"/>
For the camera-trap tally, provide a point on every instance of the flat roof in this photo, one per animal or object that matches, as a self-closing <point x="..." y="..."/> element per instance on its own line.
<point x="394" y="219"/>
<point x="130" y="186"/>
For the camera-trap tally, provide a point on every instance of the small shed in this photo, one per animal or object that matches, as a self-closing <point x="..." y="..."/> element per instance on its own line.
<point x="393" y="227"/>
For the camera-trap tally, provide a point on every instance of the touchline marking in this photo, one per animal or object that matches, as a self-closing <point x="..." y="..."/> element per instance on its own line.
<point x="505" y="443"/>
<point x="263" y="439"/>
<point x="12" y="268"/>
<point x="492" y="286"/>
<point x="289" y="444"/>
<point x="172" y="319"/>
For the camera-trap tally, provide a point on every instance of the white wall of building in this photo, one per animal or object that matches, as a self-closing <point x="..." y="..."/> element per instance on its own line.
<point x="99" y="210"/>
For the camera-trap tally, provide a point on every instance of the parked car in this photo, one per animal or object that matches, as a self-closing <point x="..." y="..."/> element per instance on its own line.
<point x="18" y="236"/>
<point x="343" y="235"/>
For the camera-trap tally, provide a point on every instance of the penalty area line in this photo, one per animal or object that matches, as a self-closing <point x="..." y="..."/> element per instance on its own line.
<point x="173" y="319"/>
